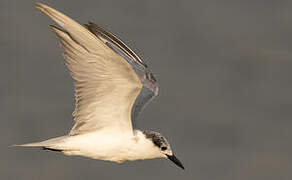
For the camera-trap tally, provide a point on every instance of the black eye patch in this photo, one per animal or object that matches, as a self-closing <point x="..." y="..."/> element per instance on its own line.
<point x="163" y="148"/>
<point x="152" y="77"/>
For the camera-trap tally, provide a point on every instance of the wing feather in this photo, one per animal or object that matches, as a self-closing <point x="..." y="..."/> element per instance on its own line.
<point x="106" y="86"/>
<point x="150" y="85"/>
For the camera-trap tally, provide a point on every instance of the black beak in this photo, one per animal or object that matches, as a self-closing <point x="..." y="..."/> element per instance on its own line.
<point x="175" y="160"/>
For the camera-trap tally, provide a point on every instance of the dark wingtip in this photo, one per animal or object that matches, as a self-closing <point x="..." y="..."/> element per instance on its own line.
<point x="51" y="149"/>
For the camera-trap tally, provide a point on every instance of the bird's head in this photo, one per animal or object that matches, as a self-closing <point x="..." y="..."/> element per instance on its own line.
<point x="162" y="146"/>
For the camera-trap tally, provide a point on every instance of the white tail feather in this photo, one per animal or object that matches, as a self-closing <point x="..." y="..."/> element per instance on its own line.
<point x="47" y="143"/>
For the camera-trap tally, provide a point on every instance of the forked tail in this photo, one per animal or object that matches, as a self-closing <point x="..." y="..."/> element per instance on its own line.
<point x="50" y="144"/>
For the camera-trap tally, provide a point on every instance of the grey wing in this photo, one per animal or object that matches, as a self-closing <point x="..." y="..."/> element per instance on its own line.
<point x="150" y="86"/>
<point x="106" y="86"/>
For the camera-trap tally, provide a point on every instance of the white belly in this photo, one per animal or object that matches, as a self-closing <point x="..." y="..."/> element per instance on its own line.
<point x="110" y="147"/>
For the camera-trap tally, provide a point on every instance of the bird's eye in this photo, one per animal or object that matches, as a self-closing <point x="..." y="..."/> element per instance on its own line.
<point x="152" y="77"/>
<point x="163" y="148"/>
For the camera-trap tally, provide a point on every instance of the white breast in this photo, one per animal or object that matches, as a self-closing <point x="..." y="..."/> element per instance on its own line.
<point x="111" y="146"/>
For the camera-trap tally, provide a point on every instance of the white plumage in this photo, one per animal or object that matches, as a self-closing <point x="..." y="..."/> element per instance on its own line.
<point x="108" y="77"/>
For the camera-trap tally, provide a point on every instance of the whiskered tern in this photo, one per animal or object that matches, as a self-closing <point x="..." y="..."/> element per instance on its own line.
<point x="112" y="86"/>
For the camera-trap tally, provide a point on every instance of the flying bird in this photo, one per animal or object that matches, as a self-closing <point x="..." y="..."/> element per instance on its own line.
<point x="112" y="86"/>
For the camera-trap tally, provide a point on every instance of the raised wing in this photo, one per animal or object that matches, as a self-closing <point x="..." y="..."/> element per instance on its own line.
<point x="106" y="86"/>
<point x="114" y="42"/>
<point x="150" y="85"/>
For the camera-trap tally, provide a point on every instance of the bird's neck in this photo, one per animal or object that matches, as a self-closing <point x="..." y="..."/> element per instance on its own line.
<point x="142" y="148"/>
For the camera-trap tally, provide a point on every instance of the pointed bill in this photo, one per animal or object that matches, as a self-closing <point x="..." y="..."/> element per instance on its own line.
<point x="175" y="161"/>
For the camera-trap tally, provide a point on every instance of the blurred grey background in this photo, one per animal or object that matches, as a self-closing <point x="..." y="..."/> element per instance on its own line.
<point x="224" y="69"/>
